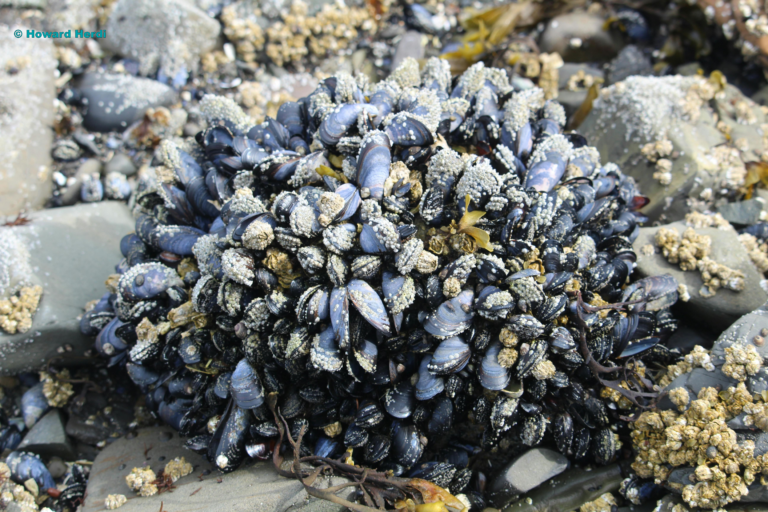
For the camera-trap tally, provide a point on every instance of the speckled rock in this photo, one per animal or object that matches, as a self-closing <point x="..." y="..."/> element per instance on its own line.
<point x="113" y="102"/>
<point x="253" y="487"/>
<point x="643" y="110"/>
<point x="73" y="251"/>
<point x="48" y="438"/>
<point x="579" y="37"/>
<point x="167" y="34"/>
<point x="726" y="306"/>
<point x="527" y="471"/>
<point x="27" y="92"/>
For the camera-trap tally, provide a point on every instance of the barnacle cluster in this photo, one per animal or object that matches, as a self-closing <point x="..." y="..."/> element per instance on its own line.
<point x="757" y="250"/>
<point x="605" y="503"/>
<point x="177" y="468"/>
<point x="691" y="252"/>
<point x="16" y="312"/>
<point x="114" y="501"/>
<point x="56" y="389"/>
<point x="143" y="481"/>
<point x="402" y="269"/>
<point x="296" y="36"/>
<point x="699" y="357"/>
<point x="723" y="465"/>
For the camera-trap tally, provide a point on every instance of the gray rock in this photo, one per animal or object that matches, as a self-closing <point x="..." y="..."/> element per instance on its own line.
<point x="526" y="472"/>
<point x="74" y="249"/>
<point x="47" y="438"/>
<point x="686" y="337"/>
<point x="116" y="101"/>
<point x="91" y="432"/>
<point x="56" y="467"/>
<point x="27" y="113"/>
<point x="579" y="37"/>
<point x="569" y="490"/>
<point x="726" y="306"/>
<point x="167" y="34"/>
<point x="253" y="487"/>
<point x="631" y="61"/>
<point x="410" y="45"/>
<point x="694" y="382"/>
<point x="743" y="213"/>
<point x="121" y="163"/>
<point x="191" y="129"/>
<point x="640" y="110"/>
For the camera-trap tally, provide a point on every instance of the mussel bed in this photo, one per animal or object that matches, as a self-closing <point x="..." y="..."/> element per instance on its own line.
<point x="400" y="266"/>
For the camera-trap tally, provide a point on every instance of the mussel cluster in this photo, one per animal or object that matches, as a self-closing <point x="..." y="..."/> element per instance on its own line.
<point x="398" y="265"/>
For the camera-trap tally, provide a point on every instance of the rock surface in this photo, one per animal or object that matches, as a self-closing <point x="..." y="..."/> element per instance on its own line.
<point x="631" y="61"/>
<point x="255" y="487"/>
<point x="48" y="438"/>
<point x="116" y="101"/>
<point x="742" y="213"/>
<point x="526" y="472"/>
<point x="74" y="250"/>
<point x="579" y="37"/>
<point x="570" y="490"/>
<point x="704" y="167"/>
<point x="726" y="306"/>
<point x="167" y="34"/>
<point x="27" y="91"/>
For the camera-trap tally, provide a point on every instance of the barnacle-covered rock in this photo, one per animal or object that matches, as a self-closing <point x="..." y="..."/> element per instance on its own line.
<point x="422" y="306"/>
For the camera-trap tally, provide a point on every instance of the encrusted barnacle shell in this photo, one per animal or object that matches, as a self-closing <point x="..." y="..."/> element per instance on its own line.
<point x="380" y="236"/>
<point x="302" y="219"/>
<point x="409" y="254"/>
<point x="366" y="266"/>
<point x="399" y="292"/>
<point x="337" y="269"/>
<point x="311" y="258"/>
<point x="258" y="235"/>
<point x="479" y="181"/>
<point x="239" y="265"/>
<point x="339" y="238"/>
<point x="330" y="205"/>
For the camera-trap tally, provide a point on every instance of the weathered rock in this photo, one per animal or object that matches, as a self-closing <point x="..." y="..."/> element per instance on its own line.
<point x="63" y="15"/>
<point x="74" y="251"/>
<point x="410" y="45"/>
<point x="726" y="306"/>
<point x="742" y="213"/>
<point x="253" y="487"/>
<point x="526" y="472"/>
<point x="121" y="163"/>
<point x="166" y="34"/>
<point x="27" y="91"/>
<point x="113" y="102"/>
<point x="57" y="467"/>
<point x="631" y="61"/>
<point x="579" y="37"/>
<point x="48" y="438"/>
<point x="569" y="490"/>
<point x="704" y="168"/>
